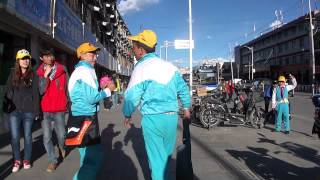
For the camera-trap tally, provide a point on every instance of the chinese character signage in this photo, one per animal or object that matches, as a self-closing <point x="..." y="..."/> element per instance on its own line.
<point x="35" y="12"/>
<point x="68" y="28"/>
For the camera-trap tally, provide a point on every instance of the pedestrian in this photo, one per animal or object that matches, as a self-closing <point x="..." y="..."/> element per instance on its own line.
<point x="107" y="102"/>
<point x="22" y="92"/>
<point x="229" y="87"/>
<point x="85" y="96"/>
<point x="267" y="94"/>
<point x="155" y="84"/>
<point x="280" y="102"/>
<point x="53" y="79"/>
<point x="115" y="93"/>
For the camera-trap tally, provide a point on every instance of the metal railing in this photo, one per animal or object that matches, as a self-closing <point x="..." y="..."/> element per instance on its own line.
<point x="307" y="88"/>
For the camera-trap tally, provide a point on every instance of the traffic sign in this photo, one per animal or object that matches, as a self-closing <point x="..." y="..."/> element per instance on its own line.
<point x="183" y="44"/>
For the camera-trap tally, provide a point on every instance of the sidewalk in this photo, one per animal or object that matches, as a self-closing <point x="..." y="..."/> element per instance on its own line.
<point x="223" y="153"/>
<point x="125" y="156"/>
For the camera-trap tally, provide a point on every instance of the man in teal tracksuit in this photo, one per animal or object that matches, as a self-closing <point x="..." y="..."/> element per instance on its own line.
<point x="85" y="95"/>
<point x="156" y="85"/>
<point x="281" y="103"/>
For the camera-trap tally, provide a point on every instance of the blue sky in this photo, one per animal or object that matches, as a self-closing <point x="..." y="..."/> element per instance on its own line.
<point x="217" y="24"/>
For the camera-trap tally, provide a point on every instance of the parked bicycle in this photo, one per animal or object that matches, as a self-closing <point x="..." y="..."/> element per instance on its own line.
<point x="241" y="109"/>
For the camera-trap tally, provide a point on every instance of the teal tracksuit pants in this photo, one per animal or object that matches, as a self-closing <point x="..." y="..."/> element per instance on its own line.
<point x="159" y="133"/>
<point x="283" y="112"/>
<point x="90" y="161"/>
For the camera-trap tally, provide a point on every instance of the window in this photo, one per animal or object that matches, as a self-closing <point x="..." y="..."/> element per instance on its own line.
<point x="286" y="46"/>
<point x="293" y="60"/>
<point x="285" y="33"/>
<point x="293" y="30"/>
<point x="301" y="42"/>
<point x="280" y="48"/>
<point x="287" y="61"/>
<point x="301" y="27"/>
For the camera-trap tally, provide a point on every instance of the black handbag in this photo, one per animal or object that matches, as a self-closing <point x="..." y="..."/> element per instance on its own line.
<point x="8" y="106"/>
<point x="82" y="131"/>
<point x="184" y="169"/>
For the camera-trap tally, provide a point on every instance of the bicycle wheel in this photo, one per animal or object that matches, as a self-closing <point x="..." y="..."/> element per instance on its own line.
<point x="210" y="117"/>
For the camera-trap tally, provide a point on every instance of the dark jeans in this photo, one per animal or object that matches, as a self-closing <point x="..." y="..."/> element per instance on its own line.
<point x="266" y="104"/>
<point x="56" y="121"/>
<point x="26" y="120"/>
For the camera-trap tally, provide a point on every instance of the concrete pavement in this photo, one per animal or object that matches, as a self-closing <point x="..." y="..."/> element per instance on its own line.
<point x="221" y="153"/>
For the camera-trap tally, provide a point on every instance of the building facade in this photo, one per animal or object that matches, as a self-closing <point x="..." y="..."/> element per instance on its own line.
<point x="284" y="50"/>
<point x="62" y="25"/>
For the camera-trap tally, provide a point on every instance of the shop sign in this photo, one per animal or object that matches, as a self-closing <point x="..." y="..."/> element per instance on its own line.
<point x="35" y="12"/>
<point x="68" y="29"/>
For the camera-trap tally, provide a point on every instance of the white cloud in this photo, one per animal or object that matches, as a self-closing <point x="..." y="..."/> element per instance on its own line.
<point x="126" y="6"/>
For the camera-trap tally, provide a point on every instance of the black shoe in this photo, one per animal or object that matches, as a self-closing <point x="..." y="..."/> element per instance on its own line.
<point x="287" y="132"/>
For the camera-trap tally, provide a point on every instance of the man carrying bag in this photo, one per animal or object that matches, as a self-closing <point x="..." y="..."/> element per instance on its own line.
<point x="83" y="128"/>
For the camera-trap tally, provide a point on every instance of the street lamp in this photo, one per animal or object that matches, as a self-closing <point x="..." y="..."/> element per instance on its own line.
<point x="312" y="48"/>
<point x="251" y="49"/>
<point x="160" y="50"/>
<point x="190" y="48"/>
<point x="166" y="45"/>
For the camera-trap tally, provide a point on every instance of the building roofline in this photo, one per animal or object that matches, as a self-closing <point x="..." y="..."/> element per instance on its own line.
<point x="284" y="26"/>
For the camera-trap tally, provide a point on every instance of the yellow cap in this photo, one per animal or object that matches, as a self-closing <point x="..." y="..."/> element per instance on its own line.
<point x="281" y="78"/>
<point x="22" y="53"/>
<point x="146" y="37"/>
<point x="85" y="48"/>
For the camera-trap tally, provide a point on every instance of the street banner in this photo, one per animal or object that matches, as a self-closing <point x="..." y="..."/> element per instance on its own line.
<point x="68" y="29"/>
<point x="35" y="12"/>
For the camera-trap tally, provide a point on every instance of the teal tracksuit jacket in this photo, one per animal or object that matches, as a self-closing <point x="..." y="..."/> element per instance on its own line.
<point x="155" y="87"/>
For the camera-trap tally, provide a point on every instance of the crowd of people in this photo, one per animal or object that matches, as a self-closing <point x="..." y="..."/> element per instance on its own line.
<point x="155" y="85"/>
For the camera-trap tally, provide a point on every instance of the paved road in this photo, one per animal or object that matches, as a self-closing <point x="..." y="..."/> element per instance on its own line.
<point x="221" y="153"/>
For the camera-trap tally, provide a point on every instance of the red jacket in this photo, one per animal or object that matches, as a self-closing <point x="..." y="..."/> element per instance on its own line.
<point x="54" y="92"/>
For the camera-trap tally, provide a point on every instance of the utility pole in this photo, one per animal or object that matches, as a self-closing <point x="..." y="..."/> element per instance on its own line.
<point x="190" y="47"/>
<point x="251" y="49"/>
<point x="218" y="73"/>
<point x="231" y="63"/>
<point x="312" y="47"/>
<point x="166" y="46"/>
<point x="252" y="63"/>
<point x="249" y="67"/>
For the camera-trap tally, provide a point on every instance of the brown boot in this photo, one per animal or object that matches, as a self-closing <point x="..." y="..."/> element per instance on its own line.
<point x="51" y="167"/>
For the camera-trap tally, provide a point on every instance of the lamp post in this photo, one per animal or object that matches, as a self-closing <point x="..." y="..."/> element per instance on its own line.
<point x="166" y="45"/>
<point x="251" y="49"/>
<point x="190" y="48"/>
<point x="312" y="48"/>
<point x="160" y="51"/>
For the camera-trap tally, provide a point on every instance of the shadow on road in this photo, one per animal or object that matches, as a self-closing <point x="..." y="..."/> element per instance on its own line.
<point x="295" y="149"/>
<point x="37" y="152"/>
<point x="261" y="162"/>
<point x="134" y="135"/>
<point x="268" y="167"/>
<point x="233" y="170"/>
<point x="116" y="164"/>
